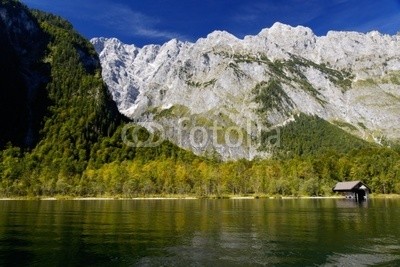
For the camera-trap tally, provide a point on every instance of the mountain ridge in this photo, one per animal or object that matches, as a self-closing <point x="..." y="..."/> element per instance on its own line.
<point x="347" y="78"/>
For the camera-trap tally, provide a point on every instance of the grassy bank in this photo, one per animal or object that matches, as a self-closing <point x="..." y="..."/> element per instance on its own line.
<point x="193" y="197"/>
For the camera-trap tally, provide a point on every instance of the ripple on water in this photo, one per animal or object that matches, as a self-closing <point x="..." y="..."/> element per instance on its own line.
<point x="378" y="251"/>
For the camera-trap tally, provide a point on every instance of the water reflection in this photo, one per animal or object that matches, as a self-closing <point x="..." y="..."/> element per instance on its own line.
<point x="199" y="232"/>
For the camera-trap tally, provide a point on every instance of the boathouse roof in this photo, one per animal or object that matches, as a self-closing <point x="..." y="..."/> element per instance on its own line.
<point x="351" y="186"/>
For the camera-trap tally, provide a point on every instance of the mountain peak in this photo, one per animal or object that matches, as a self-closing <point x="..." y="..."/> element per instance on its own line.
<point x="221" y="36"/>
<point x="279" y="28"/>
<point x="172" y="44"/>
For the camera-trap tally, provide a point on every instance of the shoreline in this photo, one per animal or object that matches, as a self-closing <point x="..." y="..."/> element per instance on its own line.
<point x="59" y="198"/>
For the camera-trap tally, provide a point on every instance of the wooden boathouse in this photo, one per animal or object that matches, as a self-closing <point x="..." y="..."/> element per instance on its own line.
<point x="353" y="189"/>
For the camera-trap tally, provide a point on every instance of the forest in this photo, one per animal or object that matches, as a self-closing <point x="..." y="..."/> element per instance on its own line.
<point x="167" y="174"/>
<point x="78" y="149"/>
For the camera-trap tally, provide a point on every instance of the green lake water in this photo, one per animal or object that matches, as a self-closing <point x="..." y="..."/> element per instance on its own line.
<point x="257" y="232"/>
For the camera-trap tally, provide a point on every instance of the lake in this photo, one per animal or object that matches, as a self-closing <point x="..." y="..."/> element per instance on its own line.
<point x="255" y="232"/>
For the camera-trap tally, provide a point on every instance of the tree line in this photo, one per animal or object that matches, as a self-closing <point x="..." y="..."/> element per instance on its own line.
<point x="190" y="175"/>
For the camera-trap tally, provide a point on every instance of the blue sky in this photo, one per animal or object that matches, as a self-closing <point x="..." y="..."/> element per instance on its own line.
<point x="143" y="22"/>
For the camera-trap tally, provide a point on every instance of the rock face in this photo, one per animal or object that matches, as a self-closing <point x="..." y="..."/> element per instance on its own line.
<point x="227" y="89"/>
<point x="23" y="76"/>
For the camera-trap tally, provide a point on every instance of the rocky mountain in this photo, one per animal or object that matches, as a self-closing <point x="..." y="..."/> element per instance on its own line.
<point x="47" y="67"/>
<point x="53" y="101"/>
<point x="210" y="95"/>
